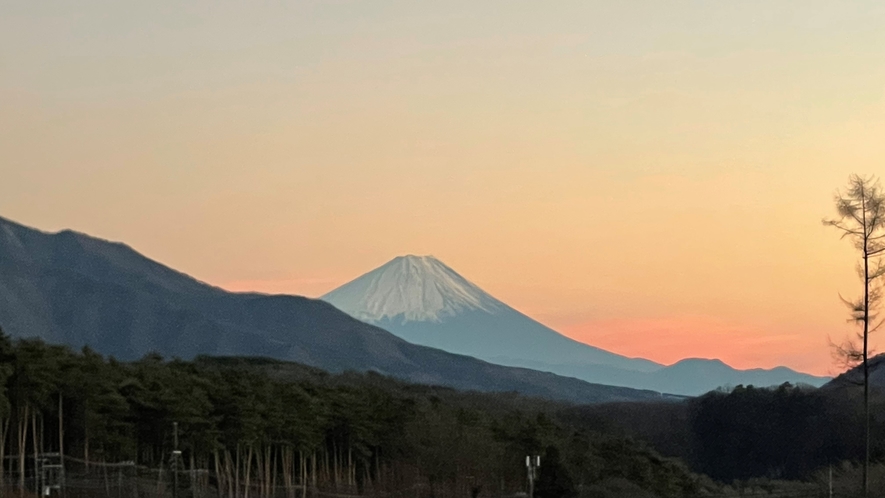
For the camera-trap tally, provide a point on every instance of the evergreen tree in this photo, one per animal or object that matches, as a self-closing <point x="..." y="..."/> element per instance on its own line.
<point x="554" y="480"/>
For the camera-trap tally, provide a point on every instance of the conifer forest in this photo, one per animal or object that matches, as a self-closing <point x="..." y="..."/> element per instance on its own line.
<point x="257" y="428"/>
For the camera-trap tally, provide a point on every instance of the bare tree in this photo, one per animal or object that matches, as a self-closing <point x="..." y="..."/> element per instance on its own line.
<point x="861" y="210"/>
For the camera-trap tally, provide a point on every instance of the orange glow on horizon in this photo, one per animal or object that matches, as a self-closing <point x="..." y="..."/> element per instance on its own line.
<point x="667" y="340"/>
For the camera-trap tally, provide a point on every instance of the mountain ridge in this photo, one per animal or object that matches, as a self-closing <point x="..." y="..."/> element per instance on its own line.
<point x="853" y="377"/>
<point x="73" y="289"/>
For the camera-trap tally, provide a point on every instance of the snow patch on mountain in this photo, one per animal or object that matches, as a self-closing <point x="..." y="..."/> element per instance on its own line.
<point x="411" y="289"/>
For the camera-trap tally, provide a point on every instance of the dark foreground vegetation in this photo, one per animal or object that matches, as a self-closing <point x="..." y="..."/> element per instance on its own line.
<point x="261" y="428"/>
<point x="270" y="428"/>
<point x="786" y="433"/>
<point x="267" y="428"/>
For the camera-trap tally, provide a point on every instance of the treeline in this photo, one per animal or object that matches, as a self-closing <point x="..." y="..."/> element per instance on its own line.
<point x="787" y="432"/>
<point x="260" y="426"/>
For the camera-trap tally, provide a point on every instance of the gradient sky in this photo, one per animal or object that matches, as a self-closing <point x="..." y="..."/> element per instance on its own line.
<point x="648" y="177"/>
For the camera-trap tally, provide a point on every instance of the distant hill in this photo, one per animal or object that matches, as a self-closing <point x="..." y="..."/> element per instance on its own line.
<point x="69" y="288"/>
<point x="853" y="377"/>
<point x="688" y="377"/>
<point x="422" y="300"/>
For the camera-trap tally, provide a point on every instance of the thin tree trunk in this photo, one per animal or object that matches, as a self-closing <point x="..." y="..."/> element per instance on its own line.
<point x="326" y="463"/>
<point x="86" y="448"/>
<point x="263" y="470"/>
<point x="61" y="431"/>
<point x="238" y="469"/>
<point x="313" y="469"/>
<point x="219" y="476"/>
<point x="302" y="463"/>
<point x="231" y="475"/>
<point x="866" y="334"/>
<point x="274" y="460"/>
<point x="107" y="483"/>
<point x="259" y="469"/>
<point x="249" y="469"/>
<point x="22" y="443"/>
<point x="335" y="466"/>
<point x="300" y="475"/>
<point x="42" y="437"/>
<point x="378" y="465"/>
<point x="160" y="481"/>
<point x="233" y="481"/>
<point x="193" y="475"/>
<point x="4" y="430"/>
<point x="35" y="450"/>
<point x="268" y="451"/>
<point x="267" y="469"/>
<point x="351" y="472"/>
<point x="286" y="463"/>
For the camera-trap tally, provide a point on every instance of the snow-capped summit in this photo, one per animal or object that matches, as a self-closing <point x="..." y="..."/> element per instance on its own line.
<point x="425" y="302"/>
<point x="411" y="289"/>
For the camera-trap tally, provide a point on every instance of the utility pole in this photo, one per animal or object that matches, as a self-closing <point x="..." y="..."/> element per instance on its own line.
<point x="61" y="445"/>
<point x="532" y="463"/>
<point x="176" y="453"/>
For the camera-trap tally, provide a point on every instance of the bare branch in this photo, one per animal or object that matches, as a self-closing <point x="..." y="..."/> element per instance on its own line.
<point x="839" y="225"/>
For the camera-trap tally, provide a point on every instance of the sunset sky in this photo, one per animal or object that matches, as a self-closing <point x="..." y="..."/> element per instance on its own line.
<point x="647" y="177"/>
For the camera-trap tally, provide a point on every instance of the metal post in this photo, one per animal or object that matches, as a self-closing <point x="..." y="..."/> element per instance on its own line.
<point x="528" y="465"/>
<point x="175" y="454"/>
<point x="61" y="446"/>
<point x="831" y="481"/>
<point x="37" y="487"/>
<point x="532" y="463"/>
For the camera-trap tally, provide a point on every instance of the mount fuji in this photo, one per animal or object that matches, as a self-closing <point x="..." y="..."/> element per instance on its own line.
<point x="423" y="301"/>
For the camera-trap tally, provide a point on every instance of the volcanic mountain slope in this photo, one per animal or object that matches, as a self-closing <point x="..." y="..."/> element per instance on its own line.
<point x="424" y="301"/>
<point x="69" y="288"/>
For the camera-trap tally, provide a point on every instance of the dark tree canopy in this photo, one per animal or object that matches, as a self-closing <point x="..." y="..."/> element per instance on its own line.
<point x="263" y="425"/>
<point x="554" y="480"/>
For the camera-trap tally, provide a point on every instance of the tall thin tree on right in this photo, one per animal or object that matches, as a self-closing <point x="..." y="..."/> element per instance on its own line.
<point x="861" y="219"/>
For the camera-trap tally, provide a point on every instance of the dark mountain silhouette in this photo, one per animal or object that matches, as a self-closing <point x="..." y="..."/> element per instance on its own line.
<point x="69" y="288"/>
<point x="853" y="377"/>
<point x="423" y="301"/>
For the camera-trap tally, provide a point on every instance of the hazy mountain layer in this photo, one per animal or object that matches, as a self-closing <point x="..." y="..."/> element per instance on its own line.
<point x="73" y="289"/>
<point x="423" y="301"/>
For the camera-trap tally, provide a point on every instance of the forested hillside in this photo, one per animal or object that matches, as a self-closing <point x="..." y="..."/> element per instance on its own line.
<point x="789" y="432"/>
<point x="259" y="427"/>
<point x="264" y="428"/>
